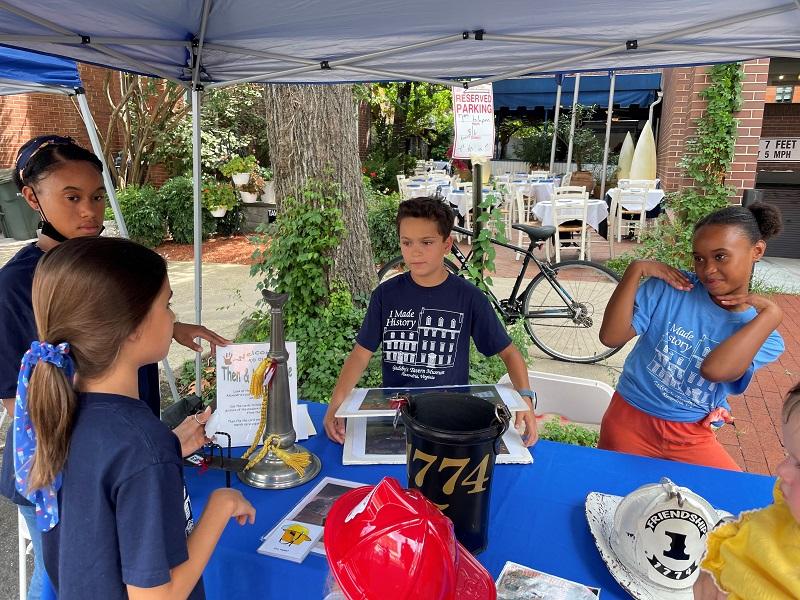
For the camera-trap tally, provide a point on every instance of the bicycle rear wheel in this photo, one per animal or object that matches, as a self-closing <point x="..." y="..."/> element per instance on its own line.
<point x="574" y="337"/>
<point x="397" y="266"/>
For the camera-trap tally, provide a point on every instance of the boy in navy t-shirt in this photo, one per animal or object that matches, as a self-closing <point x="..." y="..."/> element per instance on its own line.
<point x="424" y="319"/>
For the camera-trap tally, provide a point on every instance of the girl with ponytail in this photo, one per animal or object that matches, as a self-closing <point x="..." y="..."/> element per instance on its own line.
<point x="105" y="475"/>
<point x="702" y="335"/>
<point x="63" y="183"/>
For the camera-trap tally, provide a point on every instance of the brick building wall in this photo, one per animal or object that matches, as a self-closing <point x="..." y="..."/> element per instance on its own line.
<point x="781" y="120"/>
<point x="27" y="115"/>
<point x="683" y="106"/>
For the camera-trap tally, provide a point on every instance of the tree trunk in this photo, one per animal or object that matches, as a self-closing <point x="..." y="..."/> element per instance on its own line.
<point x="313" y="134"/>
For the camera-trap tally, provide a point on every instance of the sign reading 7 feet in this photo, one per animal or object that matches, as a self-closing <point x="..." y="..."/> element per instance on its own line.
<point x="779" y="150"/>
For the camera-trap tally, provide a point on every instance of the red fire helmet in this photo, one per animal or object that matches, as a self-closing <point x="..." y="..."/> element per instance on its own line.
<point x="389" y="543"/>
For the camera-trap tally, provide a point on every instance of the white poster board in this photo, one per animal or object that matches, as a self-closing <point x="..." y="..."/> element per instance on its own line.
<point x="473" y="116"/>
<point x="779" y="150"/>
<point x="238" y="413"/>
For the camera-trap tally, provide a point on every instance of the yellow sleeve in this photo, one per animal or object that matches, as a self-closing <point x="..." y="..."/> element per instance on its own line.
<point x="757" y="556"/>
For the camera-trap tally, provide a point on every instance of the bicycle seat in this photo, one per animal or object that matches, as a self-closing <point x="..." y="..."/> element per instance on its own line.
<point x="537" y="234"/>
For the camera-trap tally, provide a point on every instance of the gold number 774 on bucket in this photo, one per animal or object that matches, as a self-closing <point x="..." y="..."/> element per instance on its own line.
<point x="476" y="478"/>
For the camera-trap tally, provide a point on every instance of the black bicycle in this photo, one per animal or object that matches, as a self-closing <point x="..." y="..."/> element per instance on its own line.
<point x="562" y="307"/>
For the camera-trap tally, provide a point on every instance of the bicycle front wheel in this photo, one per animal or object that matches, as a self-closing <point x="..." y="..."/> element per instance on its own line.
<point x="569" y="329"/>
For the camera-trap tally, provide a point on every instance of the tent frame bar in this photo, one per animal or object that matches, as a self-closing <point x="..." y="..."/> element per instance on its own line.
<point x="197" y="55"/>
<point x="96" y="47"/>
<point x="634" y="43"/>
<point x="340" y="63"/>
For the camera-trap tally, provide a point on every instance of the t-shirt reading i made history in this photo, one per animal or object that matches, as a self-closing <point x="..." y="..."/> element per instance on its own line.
<point x="425" y="331"/>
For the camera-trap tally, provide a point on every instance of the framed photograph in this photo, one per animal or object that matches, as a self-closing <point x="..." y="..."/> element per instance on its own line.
<point x="517" y="582"/>
<point x="377" y="402"/>
<point x="376" y="441"/>
<point x="313" y="509"/>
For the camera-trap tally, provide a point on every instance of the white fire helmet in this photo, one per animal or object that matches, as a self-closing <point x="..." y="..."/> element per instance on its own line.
<point x="653" y="539"/>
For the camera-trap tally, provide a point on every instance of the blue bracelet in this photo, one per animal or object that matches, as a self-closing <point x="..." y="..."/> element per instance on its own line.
<point x="530" y="394"/>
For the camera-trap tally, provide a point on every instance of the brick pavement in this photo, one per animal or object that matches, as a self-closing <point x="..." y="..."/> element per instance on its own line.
<point x="755" y="441"/>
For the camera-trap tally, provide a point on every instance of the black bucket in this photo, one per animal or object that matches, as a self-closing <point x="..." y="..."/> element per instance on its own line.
<point x="451" y="443"/>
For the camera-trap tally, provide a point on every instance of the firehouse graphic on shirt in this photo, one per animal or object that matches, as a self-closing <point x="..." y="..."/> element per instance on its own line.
<point x="422" y="347"/>
<point x="676" y="366"/>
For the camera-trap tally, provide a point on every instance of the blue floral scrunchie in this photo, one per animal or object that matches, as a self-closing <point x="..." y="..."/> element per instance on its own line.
<point x="44" y="499"/>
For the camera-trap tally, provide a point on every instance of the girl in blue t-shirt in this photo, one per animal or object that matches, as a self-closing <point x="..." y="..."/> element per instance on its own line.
<point x="104" y="473"/>
<point x="702" y="335"/>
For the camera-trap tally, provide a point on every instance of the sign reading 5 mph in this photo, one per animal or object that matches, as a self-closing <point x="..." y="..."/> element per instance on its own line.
<point x="779" y="149"/>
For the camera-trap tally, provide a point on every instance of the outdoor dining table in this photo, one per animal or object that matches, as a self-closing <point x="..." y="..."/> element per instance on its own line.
<point x="596" y="212"/>
<point x="463" y="200"/>
<point x="537" y="514"/>
<point x="652" y="200"/>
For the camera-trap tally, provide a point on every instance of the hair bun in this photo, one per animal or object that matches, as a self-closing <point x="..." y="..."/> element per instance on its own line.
<point x="768" y="217"/>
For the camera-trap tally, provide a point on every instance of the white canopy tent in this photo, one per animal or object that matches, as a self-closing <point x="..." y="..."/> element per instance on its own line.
<point x="213" y="43"/>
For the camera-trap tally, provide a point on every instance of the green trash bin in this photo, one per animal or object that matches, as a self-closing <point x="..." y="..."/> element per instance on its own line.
<point x="18" y="220"/>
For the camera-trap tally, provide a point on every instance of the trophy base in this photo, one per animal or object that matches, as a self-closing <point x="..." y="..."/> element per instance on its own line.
<point x="273" y="474"/>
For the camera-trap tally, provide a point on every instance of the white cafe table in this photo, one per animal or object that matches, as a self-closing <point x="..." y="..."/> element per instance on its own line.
<point x="596" y="212"/>
<point x="654" y="198"/>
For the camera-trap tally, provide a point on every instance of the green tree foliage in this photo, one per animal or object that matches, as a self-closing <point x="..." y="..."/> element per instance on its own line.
<point x="233" y="124"/>
<point x="403" y="113"/>
<point x="708" y="157"/>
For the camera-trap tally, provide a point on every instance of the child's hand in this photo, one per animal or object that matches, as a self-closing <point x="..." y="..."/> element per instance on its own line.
<point x="185" y="334"/>
<point x="334" y="426"/>
<point x="237" y="505"/>
<point x="528" y="418"/>
<point x="706" y="589"/>
<point x="191" y="433"/>
<point x="760" y="303"/>
<point x="671" y="275"/>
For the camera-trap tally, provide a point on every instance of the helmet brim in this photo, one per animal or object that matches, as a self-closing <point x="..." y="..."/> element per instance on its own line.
<point x="600" y="509"/>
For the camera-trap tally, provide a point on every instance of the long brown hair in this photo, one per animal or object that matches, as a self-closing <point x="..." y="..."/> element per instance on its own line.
<point x="91" y="293"/>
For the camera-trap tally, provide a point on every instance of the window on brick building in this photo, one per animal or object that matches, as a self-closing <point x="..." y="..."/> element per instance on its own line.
<point x="783" y="93"/>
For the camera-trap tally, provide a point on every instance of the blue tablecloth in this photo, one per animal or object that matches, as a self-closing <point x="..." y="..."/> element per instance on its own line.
<point x="537" y="515"/>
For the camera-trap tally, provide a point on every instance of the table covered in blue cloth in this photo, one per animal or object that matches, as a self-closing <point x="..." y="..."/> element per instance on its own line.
<point x="537" y="515"/>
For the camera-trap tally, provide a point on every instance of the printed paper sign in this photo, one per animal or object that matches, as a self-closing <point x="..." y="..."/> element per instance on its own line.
<point x="473" y="114"/>
<point x="238" y="413"/>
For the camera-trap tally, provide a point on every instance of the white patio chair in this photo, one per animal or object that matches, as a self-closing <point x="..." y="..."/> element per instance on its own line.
<point x="539" y="175"/>
<point x="25" y="547"/>
<point x="574" y="398"/>
<point x="632" y="198"/>
<point x="570" y="207"/>
<point x="646" y="184"/>
<point x="568" y="190"/>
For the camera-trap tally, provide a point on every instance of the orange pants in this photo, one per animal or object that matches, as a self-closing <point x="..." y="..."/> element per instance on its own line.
<point x="627" y="429"/>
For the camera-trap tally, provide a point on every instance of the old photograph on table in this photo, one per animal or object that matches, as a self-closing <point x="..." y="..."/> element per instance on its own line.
<point x="376" y="441"/>
<point x="314" y="507"/>
<point x="517" y="582"/>
<point x="374" y="402"/>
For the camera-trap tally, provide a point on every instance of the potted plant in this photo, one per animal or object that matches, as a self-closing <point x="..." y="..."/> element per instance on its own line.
<point x="218" y="198"/>
<point x="268" y="195"/>
<point x="239" y="169"/>
<point x="250" y="192"/>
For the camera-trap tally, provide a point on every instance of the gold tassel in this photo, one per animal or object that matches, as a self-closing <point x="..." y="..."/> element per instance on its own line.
<point x="296" y="460"/>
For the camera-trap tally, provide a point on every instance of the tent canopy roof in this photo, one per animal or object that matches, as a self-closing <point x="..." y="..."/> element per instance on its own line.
<point x="380" y="40"/>
<point x="22" y="72"/>
<point x="532" y="92"/>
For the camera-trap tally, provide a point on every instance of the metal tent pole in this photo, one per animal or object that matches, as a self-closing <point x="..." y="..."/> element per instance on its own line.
<point x="559" y="81"/>
<point x="198" y="231"/>
<point x="608" y="134"/>
<point x="572" y="122"/>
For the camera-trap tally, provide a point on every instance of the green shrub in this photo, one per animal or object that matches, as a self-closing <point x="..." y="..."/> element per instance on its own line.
<point x="177" y="202"/>
<point x="231" y="223"/>
<point x="239" y="165"/>
<point x="143" y="214"/>
<point x="381" y="221"/>
<point x="569" y="433"/>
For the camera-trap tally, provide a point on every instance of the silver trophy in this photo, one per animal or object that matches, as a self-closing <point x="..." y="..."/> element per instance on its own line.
<point x="271" y="472"/>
